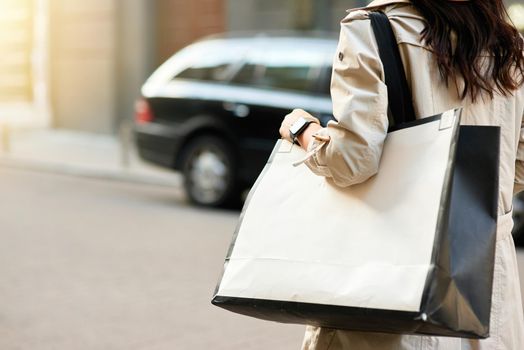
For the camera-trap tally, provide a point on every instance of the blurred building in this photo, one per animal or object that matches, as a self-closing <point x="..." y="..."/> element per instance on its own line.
<point x="323" y="15"/>
<point x="22" y="62"/>
<point x="79" y="64"/>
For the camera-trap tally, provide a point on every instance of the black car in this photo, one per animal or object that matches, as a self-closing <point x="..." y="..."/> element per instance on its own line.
<point x="213" y="110"/>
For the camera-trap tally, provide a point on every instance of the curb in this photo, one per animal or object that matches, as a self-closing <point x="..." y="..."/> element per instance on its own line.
<point x="123" y="175"/>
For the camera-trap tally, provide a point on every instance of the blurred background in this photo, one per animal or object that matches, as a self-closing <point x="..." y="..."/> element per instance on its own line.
<point x="98" y="248"/>
<point x="79" y="65"/>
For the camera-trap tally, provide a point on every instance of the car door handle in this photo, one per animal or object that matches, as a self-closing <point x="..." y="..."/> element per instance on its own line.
<point x="238" y="109"/>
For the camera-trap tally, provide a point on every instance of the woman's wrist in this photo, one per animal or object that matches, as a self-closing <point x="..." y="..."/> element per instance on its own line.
<point x="307" y="135"/>
<point x="304" y="135"/>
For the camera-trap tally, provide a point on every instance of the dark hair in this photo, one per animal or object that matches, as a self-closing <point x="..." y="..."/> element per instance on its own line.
<point x="488" y="53"/>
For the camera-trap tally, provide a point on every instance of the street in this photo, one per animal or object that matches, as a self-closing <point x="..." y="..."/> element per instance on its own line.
<point x="92" y="264"/>
<point x="95" y="264"/>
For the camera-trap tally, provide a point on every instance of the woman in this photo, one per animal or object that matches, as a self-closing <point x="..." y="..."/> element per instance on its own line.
<point x="456" y="53"/>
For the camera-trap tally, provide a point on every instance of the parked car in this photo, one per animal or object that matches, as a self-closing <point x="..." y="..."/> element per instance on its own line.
<point x="213" y="110"/>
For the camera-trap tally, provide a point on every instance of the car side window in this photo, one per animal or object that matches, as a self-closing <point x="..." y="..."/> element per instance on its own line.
<point x="207" y="72"/>
<point x="282" y="66"/>
<point x="252" y="67"/>
<point x="212" y="62"/>
<point x="289" y="77"/>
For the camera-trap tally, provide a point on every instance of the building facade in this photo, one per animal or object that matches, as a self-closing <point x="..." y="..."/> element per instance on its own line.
<point x="320" y="15"/>
<point x="101" y="51"/>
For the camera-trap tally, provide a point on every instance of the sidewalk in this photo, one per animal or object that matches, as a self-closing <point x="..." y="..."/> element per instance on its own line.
<point x="81" y="154"/>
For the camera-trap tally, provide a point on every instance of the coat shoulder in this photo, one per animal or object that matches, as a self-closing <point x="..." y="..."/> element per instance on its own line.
<point x="360" y="14"/>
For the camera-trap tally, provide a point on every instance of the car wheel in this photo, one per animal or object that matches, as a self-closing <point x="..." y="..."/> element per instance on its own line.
<point x="209" y="168"/>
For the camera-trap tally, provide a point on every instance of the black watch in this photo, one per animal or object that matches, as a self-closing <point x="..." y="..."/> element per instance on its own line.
<point x="298" y="128"/>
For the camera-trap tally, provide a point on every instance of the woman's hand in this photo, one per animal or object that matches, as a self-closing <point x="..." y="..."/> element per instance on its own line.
<point x="291" y="118"/>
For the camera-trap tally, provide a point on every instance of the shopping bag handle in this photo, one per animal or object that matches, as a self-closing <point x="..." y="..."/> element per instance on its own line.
<point x="400" y="101"/>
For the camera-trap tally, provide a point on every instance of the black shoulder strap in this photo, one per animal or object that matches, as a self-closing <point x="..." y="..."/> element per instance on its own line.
<point x="399" y="95"/>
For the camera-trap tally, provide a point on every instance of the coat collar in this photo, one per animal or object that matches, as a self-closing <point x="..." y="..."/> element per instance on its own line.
<point x="380" y="3"/>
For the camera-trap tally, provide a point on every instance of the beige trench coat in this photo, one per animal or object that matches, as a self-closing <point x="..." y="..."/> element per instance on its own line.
<point x="360" y="106"/>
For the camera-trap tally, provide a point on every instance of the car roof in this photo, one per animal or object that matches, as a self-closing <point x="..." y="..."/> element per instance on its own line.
<point x="283" y="40"/>
<point x="313" y="36"/>
<point x="311" y="42"/>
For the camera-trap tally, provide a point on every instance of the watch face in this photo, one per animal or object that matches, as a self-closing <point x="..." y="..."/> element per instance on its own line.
<point x="299" y="124"/>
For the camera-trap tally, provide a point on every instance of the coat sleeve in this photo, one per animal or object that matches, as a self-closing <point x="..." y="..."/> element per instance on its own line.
<point x="359" y="98"/>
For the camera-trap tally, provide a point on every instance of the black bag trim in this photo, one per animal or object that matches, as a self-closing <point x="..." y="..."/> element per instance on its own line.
<point x="411" y="124"/>
<point x="400" y="101"/>
<point x="336" y="317"/>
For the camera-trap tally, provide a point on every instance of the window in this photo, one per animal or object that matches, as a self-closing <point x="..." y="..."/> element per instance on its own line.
<point x="210" y="71"/>
<point x="211" y="61"/>
<point x="283" y="65"/>
<point x="289" y="77"/>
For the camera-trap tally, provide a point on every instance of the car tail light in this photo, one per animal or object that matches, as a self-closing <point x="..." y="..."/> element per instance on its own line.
<point x="143" y="112"/>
